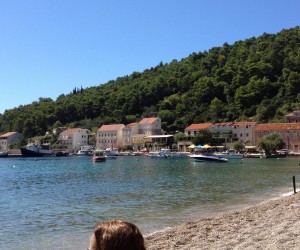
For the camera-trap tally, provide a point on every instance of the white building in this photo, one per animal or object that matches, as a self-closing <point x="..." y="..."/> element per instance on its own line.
<point x="194" y="129"/>
<point x="149" y="126"/>
<point x="74" y="138"/>
<point x="241" y="131"/>
<point x="109" y="136"/>
<point x="128" y="131"/>
<point x="8" y="139"/>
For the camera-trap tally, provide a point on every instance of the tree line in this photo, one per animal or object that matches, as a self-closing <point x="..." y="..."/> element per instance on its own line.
<point x="256" y="79"/>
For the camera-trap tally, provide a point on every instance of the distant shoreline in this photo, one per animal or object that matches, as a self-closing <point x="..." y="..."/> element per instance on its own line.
<point x="272" y="224"/>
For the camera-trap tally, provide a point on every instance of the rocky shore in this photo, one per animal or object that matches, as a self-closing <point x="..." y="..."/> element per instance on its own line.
<point x="272" y="225"/>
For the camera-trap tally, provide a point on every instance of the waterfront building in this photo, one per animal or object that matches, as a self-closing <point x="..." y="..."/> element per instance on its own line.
<point x="149" y="126"/>
<point x="289" y="132"/>
<point x="128" y="130"/>
<point x="235" y="131"/>
<point x="74" y="138"/>
<point x="109" y="136"/>
<point x="146" y="127"/>
<point x="8" y="139"/>
<point x="194" y="129"/>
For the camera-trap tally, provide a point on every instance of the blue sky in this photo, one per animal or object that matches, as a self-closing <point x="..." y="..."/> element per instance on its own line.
<point x="49" y="47"/>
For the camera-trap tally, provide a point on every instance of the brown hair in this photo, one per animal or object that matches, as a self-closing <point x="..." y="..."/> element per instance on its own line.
<point x="118" y="235"/>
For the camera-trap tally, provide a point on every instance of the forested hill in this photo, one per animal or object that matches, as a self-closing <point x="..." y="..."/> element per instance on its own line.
<point x="257" y="79"/>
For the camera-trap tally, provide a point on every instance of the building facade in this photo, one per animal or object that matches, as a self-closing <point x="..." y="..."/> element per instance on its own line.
<point x="74" y="138"/>
<point x="194" y="129"/>
<point x="235" y="131"/>
<point x="8" y="139"/>
<point x="149" y="126"/>
<point x="289" y="132"/>
<point x="110" y="136"/>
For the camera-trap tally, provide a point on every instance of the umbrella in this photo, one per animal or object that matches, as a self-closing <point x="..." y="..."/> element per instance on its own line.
<point x="199" y="146"/>
<point x="191" y="146"/>
<point x="207" y="146"/>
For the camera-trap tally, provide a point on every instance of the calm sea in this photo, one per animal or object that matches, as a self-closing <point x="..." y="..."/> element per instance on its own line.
<point x="53" y="203"/>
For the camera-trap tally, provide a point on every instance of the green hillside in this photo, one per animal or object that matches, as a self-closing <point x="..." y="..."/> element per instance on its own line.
<point x="257" y="79"/>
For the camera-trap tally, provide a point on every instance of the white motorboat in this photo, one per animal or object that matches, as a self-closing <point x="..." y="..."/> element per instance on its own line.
<point x="85" y="150"/>
<point x="230" y="154"/>
<point x="167" y="153"/>
<point x="208" y="157"/>
<point x="99" y="156"/>
<point x="111" y="153"/>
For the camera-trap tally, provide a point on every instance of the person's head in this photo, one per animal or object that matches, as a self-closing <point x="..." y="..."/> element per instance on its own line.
<point x="116" y="235"/>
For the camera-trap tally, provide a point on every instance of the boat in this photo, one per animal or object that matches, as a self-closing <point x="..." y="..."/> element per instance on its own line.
<point x="274" y="155"/>
<point x="167" y="153"/>
<point x="85" y="150"/>
<point x="61" y="153"/>
<point x="208" y="158"/>
<point x="33" y="150"/>
<point x="4" y="153"/>
<point x="230" y="154"/>
<point x="111" y="153"/>
<point x="99" y="156"/>
<point x="253" y="155"/>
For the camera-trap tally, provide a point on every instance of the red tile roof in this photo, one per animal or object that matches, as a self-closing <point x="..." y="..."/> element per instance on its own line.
<point x="111" y="127"/>
<point x="244" y="123"/>
<point x="198" y="126"/>
<point x="222" y="124"/>
<point x="8" y="134"/>
<point x="132" y="124"/>
<point x="148" y="120"/>
<point x="239" y="124"/>
<point x="277" y="126"/>
<point x="71" y="131"/>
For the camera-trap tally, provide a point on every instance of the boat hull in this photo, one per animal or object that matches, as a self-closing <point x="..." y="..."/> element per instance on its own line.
<point x="230" y="156"/>
<point x="99" y="159"/>
<point x="3" y="154"/>
<point x="208" y="158"/>
<point x="29" y="153"/>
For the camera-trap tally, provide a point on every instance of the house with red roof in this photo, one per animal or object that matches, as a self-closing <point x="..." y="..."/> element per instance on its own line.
<point x="145" y="128"/>
<point x="194" y="129"/>
<point x="109" y="136"/>
<point x="128" y="131"/>
<point x="289" y="132"/>
<point x="74" y="138"/>
<point x="133" y="134"/>
<point x="237" y="131"/>
<point x="8" y="139"/>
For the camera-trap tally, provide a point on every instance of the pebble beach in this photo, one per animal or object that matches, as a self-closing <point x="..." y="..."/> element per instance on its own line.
<point x="274" y="224"/>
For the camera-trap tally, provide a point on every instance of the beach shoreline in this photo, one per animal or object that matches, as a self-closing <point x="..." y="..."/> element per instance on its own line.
<point x="273" y="224"/>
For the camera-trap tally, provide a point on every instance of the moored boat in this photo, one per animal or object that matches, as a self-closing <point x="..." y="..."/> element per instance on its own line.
<point x="61" y="153"/>
<point x="99" y="156"/>
<point x="230" y="154"/>
<point x="167" y="153"/>
<point x="4" y="153"/>
<point x="253" y="155"/>
<point x="85" y="150"/>
<point x="208" y="158"/>
<point x="33" y="150"/>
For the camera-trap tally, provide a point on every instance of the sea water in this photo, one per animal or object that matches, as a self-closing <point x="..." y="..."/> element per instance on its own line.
<point x="54" y="202"/>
